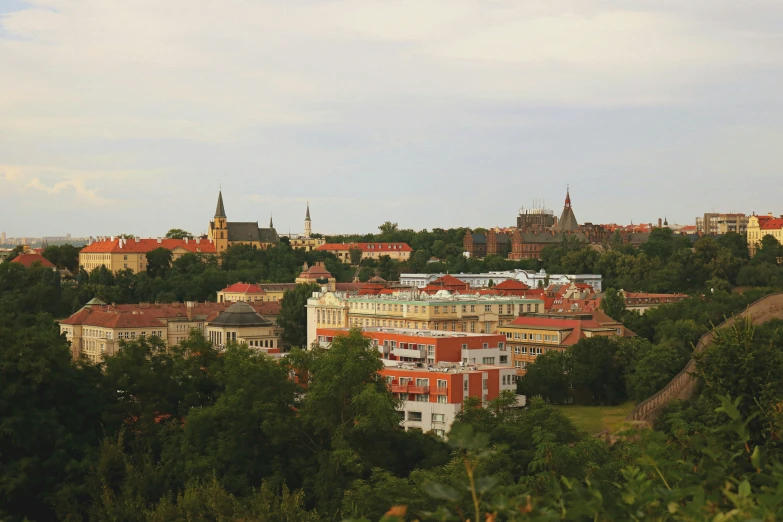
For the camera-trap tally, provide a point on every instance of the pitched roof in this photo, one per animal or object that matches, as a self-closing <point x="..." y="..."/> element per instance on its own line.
<point x="577" y="326"/>
<point x="29" y="260"/>
<point x="104" y="318"/>
<point x="136" y="246"/>
<point x="771" y="224"/>
<point x="366" y="247"/>
<point x="315" y="272"/>
<point x="511" y="284"/>
<point x="243" y="288"/>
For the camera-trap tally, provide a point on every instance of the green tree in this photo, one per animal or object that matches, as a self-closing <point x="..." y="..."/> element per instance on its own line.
<point x="178" y="233"/>
<point x="158" y="262"/>
<point x="653" y="369"/>
<point x="356" y="256"/>
<point x="613" y="304"/>
<point x="293" y="314"/>
<point x="597" y="372"/>
<point x="548" y="377"/>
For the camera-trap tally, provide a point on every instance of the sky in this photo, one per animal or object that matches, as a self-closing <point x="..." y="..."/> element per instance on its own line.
<point x="128" y="117"/>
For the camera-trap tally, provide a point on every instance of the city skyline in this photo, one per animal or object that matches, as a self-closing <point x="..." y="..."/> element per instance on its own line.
<point x="431" y="114"/>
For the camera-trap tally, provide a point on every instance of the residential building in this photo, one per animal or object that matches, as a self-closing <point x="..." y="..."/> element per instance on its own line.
<point x="396" y="251"/>
<point x="642" y="301"/>
<point x="531" y="335"/>
<point x="717" y="224"/>
<point x="240" y="323"/>
<point x="531" y="278"/>
<point x="97" y="328"/>
<point x="242" y="292"/>
<point x="118" y="254"/>
<point x="224" y="233"/>
<point x="317" y="274"/>
<point x="760" y="226"/>
<point x="429" y="347"/>
<point x="443" y="311"/>
<point x="431" y="394"/>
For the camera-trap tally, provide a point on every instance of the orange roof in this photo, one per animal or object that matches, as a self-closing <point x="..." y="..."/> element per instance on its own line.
<point x="315" y="272"/>
<point x="137" y="246"/>
<point x="575" y="325"/>
<point x="771" y="224"/>
<point x="366" y="247"/>
<point x="29" y="260"/>
<point x="112" y="319"/>
<point x="511" y="284"/>
<point x="243" y="288"/>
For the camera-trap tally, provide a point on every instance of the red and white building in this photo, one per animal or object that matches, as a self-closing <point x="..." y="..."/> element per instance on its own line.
<point x="433" y="372"/>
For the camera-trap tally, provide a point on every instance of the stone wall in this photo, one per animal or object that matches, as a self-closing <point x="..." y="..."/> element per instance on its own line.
<point x="683" y="385"/>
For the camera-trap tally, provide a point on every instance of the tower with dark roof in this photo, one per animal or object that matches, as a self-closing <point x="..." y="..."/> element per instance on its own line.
<point x="567" y="218"/>
<point x="219" y="227"/>
<point x="308" y="226"/>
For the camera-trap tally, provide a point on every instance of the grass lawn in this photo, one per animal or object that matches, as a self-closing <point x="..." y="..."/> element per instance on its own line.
<point x="594" y="419"/>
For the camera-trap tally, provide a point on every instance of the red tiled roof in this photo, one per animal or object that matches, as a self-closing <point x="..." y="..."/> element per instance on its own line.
<point x="112" y="319"/>
<point x="348" y="287"/>
<point x="771" y="224"/>
<point x="575" y="325"/>
<point x="29" y="260"/>
<point x="243" y="288"/>
<point x="141" y="246"/>
<point x="644" y="295"/>
<point x="366" y="247"/>
<point x="511" y="284"/>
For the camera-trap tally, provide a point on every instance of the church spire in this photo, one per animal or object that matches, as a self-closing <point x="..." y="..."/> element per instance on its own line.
<point x="271" y="225"/>
<point x="220" y="212"/>
<point x="568" y="197"/>
<point x="307" y="216"/>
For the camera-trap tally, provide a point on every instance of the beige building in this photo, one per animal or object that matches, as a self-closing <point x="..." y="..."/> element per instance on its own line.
<point x="242" y="292"/>
<point x="96" y="330"/>
<point x="396" y="251"/>
<point x="760" y="226"/>
<point x="241" y="324"/>
<point x="529" y="336"/>
<point x="306" y="241"/>
<point x="117" y="254"/>
<point x="642" y="301"/>
<point x="718" y="224"/>
<point x="442" y="311"/>
<point x="317" y="274"/>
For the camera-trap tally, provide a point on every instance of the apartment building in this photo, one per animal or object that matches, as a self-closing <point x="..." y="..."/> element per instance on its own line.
<point x="96" y="329"/>
<point x="117" y="253"/>
<point x="433" y="372"/>
<point x="440" y="312"/>
<point x="717" y="224"/>
<point x="643" y="301"/>
<point x="396" y="251"/>
<point x="529" y="336"/>
<point x="241" y="323"/>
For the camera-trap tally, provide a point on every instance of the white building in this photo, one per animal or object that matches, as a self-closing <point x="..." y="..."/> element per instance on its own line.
<point x="529" y="277"/>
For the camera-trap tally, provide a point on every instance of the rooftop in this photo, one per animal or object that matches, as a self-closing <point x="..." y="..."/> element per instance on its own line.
<point x="29" y="260"/>
<point x="120" y="245"/>
<point x="413" y="332"/>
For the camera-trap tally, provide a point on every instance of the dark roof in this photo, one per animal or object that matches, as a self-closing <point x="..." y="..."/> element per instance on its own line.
<point x="479" y="238"/>
<point x="239" y="314"/>
<point x="307" y="216"/>
<point x="503" y="238"/>
<point x="568" y="220"/>
<point x="220" y="212"/>
<point x="249" y="231"/>
<point x="548" y="237"/>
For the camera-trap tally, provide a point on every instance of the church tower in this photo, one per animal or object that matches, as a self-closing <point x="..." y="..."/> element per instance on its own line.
<point x="308" y="226"/>
<point x="218" y="230"/>
<point x="567" y="218"/>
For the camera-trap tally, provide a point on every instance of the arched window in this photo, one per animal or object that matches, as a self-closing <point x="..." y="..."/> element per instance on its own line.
<point x="221" y="235"/>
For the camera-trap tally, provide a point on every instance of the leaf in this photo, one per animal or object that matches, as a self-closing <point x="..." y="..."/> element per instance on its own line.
<point x="755" y="458"/>
<point x="441" y="492"/>
<point x="744" y="488"/>
<point x="672" y="507"/>
<point x="484" y="484"/>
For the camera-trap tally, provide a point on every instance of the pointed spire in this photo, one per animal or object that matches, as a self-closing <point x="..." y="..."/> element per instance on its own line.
<point x="271" y="225"/>
<point x="307" y="216"/>
<point x="220" y="212"/>
<point x="568" y="197"/>
<point x="665" y="222"/>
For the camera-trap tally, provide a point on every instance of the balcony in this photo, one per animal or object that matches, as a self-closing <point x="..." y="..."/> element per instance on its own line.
<point x="440" y="390"/>
<point x="418" y="389"/>
<point x="414" y="353"/>
<point x="399" y="388"/>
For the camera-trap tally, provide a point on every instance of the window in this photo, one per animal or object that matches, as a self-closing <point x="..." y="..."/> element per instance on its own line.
<point x="414" y="416"/>
<point x="465" y="384"/>
<point x="442" y="399"/>
<point x="442" y="383"/>
<point x="487" y="308"/>
<point x="472" y="308"/>
<point x="504" y="359"/>
<point x="437" y="309"/>
<point x="403" y="396"/>
<point x="423" y="397"/>
<point x="454" y="309"/>
<point x="487" y="360"/>
<point x="485" y="346"/>
<point x="438" y="417"/>
<point x="439" y="433"/>
<point x="485" y="384"/>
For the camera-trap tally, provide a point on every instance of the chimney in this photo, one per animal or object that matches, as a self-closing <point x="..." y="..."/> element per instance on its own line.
<point x="160" y="241"/>
<point x="186" y="240"/>
<point x="112" y="237"/>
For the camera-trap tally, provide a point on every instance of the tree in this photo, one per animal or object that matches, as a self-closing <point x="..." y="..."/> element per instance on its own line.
<point x="548" y="377"/>
<point x="159" y="262"/>
<point x="388" y="228"/>
<point x="355" y="255"/>
<point x="14" y="253"/>
<point x="613" y="304"/>
<point x="293" y="314"/>
<point x="653" y="369"/>
<point x="597" y="372"/>
<point x="178" y="233"/>
<point x="63" y="256"/>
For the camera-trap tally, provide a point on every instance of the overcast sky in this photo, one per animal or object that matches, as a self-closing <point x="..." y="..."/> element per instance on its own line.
<point x="128" y="116"/>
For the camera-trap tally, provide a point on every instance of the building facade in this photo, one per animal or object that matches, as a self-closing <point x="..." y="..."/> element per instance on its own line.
<point x="440" y="312"/>
<point x="642" y="301"/>
<point x="432" y="394"/>
<point x="717" y="224"/>
<point x="396" y="251"/>
<point x="529" y="336"/>
<point x="531" y="278"/>
<point x="487" y="243"/>
<point x="760" y="226"/>
<point x="95" y="331"/>
<point x="241" y="324"/>
<point x="118" y="254"/>
<point x="306" y="241"/>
